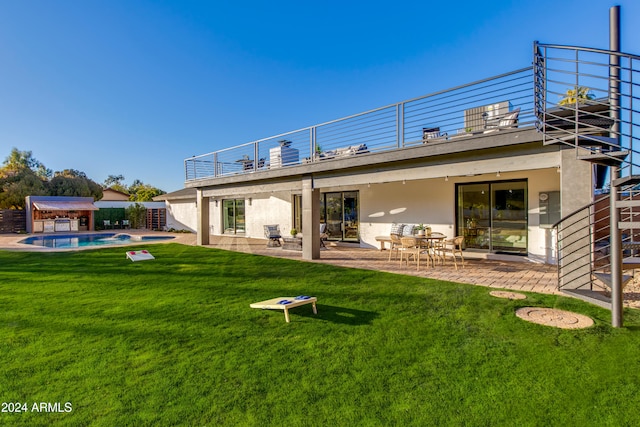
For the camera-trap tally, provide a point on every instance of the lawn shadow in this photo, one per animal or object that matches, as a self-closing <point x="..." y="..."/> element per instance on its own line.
<point x="346" y="316"/>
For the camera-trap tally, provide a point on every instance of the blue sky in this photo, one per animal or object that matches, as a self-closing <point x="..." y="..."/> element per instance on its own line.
<point x="132" y="87"/>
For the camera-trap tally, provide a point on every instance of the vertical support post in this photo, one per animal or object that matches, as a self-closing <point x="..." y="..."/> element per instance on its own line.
<point x="400" y="124"/>
<point x="614" y="99"/>
<point x="203" y="218"/>
<point x="310" y="220"/>
<point x="256" y="155"/>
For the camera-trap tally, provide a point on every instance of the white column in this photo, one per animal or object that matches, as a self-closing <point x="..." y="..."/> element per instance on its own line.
<point x="202" y="206"/>
<point x="310" y="220"/>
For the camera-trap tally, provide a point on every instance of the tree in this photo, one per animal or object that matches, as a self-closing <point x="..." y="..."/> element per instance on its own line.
<point x="21" y="175"/>
<point x="115" y="182"/>
<point x="141" y="192"/>
<point x="136" y="215"/>
<point x="15" y="188"/>
<point x="20" y="160"/>
<point x="71" y="182"/>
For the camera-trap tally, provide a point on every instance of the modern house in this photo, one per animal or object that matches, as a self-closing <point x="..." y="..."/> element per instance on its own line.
<point x="500" y="161"/>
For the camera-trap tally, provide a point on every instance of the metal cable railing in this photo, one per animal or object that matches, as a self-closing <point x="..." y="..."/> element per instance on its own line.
<point x="434" y="118"/>
<point x="573" y="94"/>
<point x="587" y="98"/>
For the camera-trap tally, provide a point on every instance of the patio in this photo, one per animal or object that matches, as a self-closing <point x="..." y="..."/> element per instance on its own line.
<point x="493" y="273"/>
<point x="513" y="275"/>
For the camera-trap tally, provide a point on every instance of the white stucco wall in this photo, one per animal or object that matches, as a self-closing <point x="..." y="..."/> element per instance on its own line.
<point x="261" y="210"/>
<point x="182" y="215"/>
<point x="432" y="202"/>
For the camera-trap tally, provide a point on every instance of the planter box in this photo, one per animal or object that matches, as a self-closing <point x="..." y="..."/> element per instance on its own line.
<point x="292" y="243"/>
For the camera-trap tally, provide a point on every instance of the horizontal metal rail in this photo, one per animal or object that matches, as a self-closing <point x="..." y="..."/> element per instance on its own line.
<point x="436" y="117"/>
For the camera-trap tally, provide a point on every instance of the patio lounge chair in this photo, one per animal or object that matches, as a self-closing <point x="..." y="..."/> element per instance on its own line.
<point x="431" y="134"/>
<point x="272" y="233"/>
<point x="507" y="121"/>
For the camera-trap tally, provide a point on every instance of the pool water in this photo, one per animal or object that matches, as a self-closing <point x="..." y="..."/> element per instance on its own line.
<point x="65" y="241"/>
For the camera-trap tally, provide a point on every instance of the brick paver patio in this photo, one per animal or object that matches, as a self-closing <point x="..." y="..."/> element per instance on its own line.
<point x="522" y="275"/>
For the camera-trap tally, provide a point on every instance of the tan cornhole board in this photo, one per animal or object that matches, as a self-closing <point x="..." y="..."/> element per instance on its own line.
<point x="139" y="255"/>
<point x="272" y="304"/>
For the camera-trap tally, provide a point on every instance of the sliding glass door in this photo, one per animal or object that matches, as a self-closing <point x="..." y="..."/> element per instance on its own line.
<point x="340" y="211"/>
<point x="492" y="216"/>
<point x="233" y="216"/>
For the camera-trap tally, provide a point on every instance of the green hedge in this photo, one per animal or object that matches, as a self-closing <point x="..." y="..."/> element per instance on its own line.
<point x="112" y="214"/>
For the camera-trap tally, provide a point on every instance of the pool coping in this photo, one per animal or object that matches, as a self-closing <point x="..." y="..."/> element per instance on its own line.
<point x="11" y="242"/>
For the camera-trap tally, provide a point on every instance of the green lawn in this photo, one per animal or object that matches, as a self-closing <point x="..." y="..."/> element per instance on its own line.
<point x="173" y="342"/>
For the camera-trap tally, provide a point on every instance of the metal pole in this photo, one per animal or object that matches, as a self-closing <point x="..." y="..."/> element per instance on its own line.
<point x="614" y="99"/>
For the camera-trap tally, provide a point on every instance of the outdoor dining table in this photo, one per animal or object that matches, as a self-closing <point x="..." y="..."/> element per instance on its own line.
<point x="428" y="242"/>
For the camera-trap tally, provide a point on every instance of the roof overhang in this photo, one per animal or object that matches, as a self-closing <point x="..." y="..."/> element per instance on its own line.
<point x="64" y="206"/>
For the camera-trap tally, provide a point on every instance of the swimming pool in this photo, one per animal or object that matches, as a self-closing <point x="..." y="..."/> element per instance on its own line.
<point x="67" y="241"/>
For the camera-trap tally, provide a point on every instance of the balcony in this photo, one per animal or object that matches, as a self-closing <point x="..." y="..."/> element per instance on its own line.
<point x="484" y="108"/>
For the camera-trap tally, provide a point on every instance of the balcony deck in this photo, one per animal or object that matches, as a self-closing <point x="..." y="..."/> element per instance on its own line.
<point x="475" y="116"/>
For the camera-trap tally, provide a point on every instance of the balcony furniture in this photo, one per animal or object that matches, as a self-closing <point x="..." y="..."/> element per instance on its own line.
<point x="342" y="152"/>
<point x="286" y="303"/>
<point x="272" y="233"/>
<point x="478" y="118"/>
<point x="431" y="134"/>
<point x="247" y="163"/>
<point x="507" y="121"/>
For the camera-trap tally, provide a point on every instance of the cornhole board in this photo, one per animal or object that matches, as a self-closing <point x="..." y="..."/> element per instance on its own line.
<point x="139" y="255"/>
<point x="286" y="303"/>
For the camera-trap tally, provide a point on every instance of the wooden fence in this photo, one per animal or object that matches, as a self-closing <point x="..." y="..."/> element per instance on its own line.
<point x="13" y="221"/>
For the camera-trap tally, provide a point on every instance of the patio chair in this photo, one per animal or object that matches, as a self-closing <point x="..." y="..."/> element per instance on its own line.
<point x="323" y="234"/>
<point x="411" y="247"/>
<point x="272" y="233"/>
<point x="453" y="247"/>
<point x="395" y="244"/>
<point x="106" y="223"/>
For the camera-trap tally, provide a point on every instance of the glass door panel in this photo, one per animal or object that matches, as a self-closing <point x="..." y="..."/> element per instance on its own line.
<point x="493" y="216"/>
<point x="333" y="214"/>
<point x="509" y="217"/>
<point x="233" y="218"/>
<point x="351" y="221"/>
<point x="340" y="212"/>
<point x="228" y="216"/>
<point x="240" y="218"/>
<point x="474" y="217"/>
